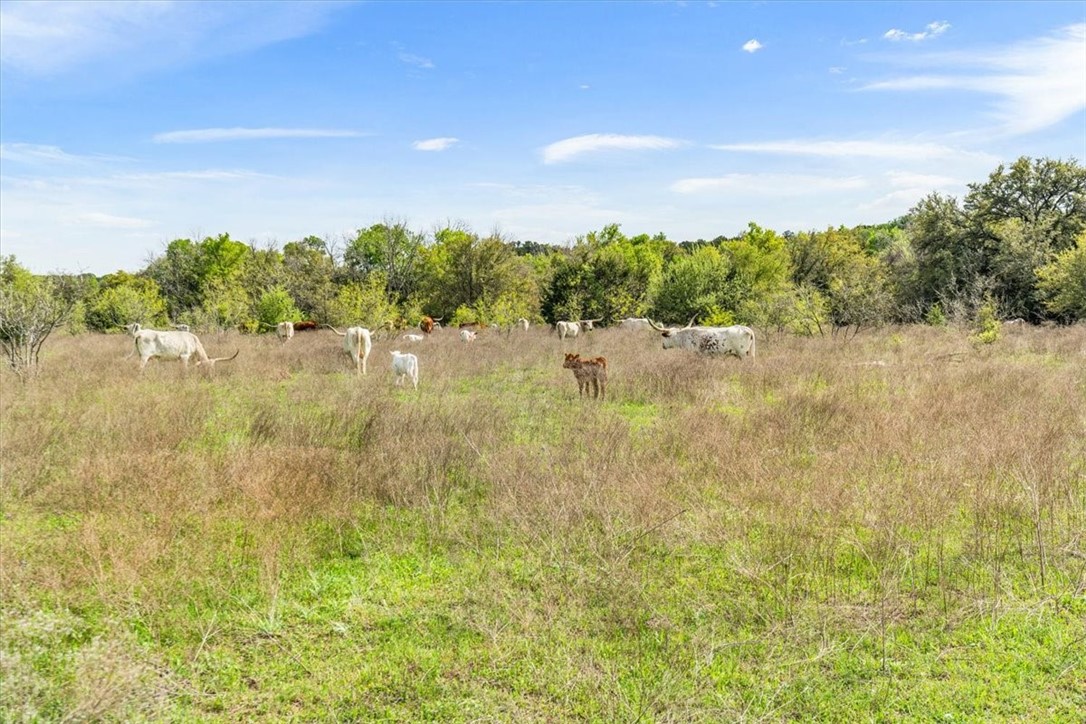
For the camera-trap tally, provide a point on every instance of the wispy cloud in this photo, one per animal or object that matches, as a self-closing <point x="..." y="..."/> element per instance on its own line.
<point x="109" y="221"/>
<point x="761" y="184"/>
<point x="201" y="175"/>
<point x="862" y="149"/>
<point x="435" y="144"/>
<point x="416" y="60"/>
<point x="837" y="70"/>
<point x="50" y="38"/>
<point x="932" y="30"/>
<point x="1037" y="83"/>
<point x="205" y="135"/>
<point x="34" y="153"/>
<point x="570" y="148"/>
<point x="752" y="46"/>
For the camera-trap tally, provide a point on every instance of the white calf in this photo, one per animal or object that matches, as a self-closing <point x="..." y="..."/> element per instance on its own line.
<point x="466" y="335"/>
<point x="413" y="337"/>
<point x="284" y="331"/>
<point x="405" y="366"/>
<point x="522" y="323"/>
<point x="173" y="345"/>
<point x="357" y="345"/>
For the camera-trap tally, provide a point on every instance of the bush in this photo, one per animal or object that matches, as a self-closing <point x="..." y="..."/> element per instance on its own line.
<point x="275" y="306"/>
<point x="986" y="324"/>
<point x="935" y="316"/>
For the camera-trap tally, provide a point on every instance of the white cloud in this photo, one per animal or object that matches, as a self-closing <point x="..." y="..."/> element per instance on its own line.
<point x="864" y="149"/>
<point x="49" y="38"/>
<point x="34" y="153"/>
<point x="205" y="135"/>
<point x="570" y="148"/>
<point x="932" y="30"/>
<point x="202" y="175"/>
<point x="1037" y="83"/>
<point x="416" y="60"/>
<point x="837" y="70"/>
<point x="752" y="46"/>
<point x="113" y="222"/>
<point x="767" y="183"/>
<point x="435" y="144"/>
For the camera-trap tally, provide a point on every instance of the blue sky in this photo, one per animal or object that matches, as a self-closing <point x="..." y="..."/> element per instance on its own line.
<point x="126" y="125"/>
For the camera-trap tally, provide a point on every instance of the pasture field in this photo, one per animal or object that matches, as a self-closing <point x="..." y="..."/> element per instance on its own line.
<point x="892" y="528"/>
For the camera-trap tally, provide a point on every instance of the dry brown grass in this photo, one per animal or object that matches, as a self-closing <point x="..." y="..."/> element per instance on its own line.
<point x="849" y="476"/>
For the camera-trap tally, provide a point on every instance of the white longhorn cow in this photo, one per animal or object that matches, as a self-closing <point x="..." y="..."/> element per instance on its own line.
<point x="413" y="337"/>
<point x="467" y="335"/>
<point x="405" y="366"/>
<point x="522" y="323"/>
<point x="567" y="329"/>
<point x="357" y="344"/>
<point x="635" y="324"/>
<point x="173" y="345"/>
<point x="736" y="340"/>
<point x="284" y="331"/>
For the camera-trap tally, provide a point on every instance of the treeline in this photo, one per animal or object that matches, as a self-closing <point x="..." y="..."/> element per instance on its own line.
<point x="1015" y="246"/>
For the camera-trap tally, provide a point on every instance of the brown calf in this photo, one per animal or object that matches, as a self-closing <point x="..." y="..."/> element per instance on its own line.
<point x="591" y="374"/>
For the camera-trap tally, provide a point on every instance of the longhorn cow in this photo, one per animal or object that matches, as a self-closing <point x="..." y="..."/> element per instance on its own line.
<point x="173" y="345"/>
<point x="356" y="345"/>
<point x="737" y="340"/>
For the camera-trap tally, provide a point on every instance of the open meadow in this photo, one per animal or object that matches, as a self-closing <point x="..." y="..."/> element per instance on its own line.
<point x="884" y="529"/>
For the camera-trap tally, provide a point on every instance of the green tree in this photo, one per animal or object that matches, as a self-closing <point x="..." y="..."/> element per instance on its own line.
<point x="275" y="306"/>
<point x="31" y="308"/>
<point x="1045" y="193"/>
<point x="697" y="284"/>
<point x="391" y="248"/>
<point x="122" y="299"/>
<point x="461" y="270"/>
<point x="948" y="262"/>
<point x="308" y="276"/>
<point x="1062" y="283"/>
<point x="366" y="303"/>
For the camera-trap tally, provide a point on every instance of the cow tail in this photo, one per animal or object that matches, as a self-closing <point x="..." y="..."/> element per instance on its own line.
<point x="753" y="343"/>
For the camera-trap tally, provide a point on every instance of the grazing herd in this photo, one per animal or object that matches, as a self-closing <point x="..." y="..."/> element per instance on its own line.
<point x="590" y="373"/>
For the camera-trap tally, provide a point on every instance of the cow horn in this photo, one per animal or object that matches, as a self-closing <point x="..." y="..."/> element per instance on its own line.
<point x="691" y="322"/>
<point x="341" y="334"/>
<point x="227" y="359"/>
<point x="655" y="325"/>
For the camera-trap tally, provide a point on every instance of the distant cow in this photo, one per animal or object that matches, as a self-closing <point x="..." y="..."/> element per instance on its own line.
<point x="635" y="324"/>
<point x="284" y="331"/>
<point x="567" y="329"/>
<point x="405" y="366"/>
<point x="305" y="326"/>
<point x="413" y="337"/>
<point x="467" y="335"/>
<point x="173" y="345"/>
<point x="522" y="323"/>
<point x="428" y="323"/>
<point x="356" y="344"/>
